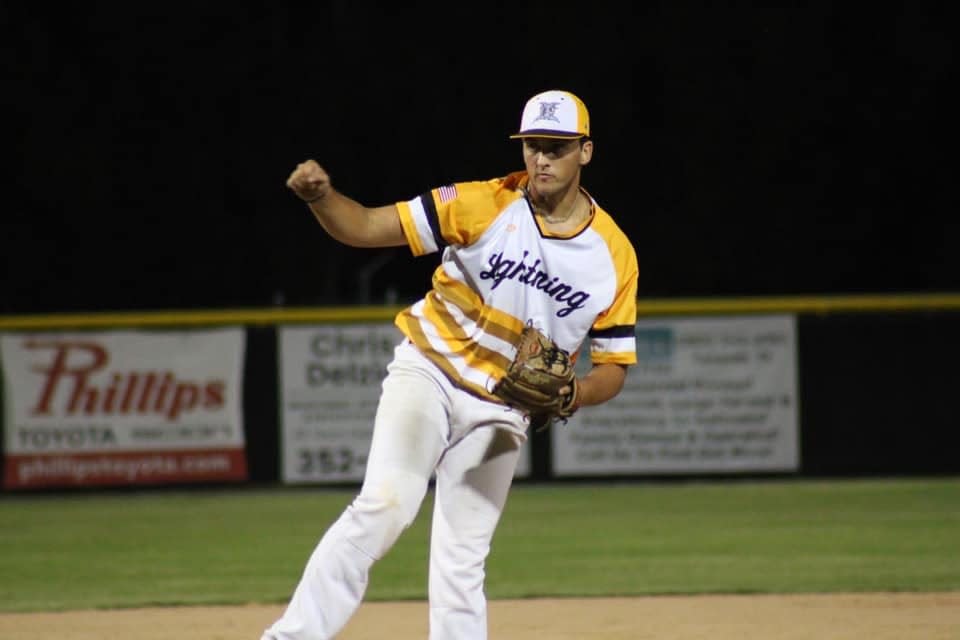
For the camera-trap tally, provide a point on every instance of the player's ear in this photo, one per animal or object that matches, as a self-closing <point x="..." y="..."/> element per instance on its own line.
<point x="586" y="151"/>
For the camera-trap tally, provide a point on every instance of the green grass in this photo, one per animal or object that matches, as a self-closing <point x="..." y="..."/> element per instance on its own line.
<point x="218" y="547"/>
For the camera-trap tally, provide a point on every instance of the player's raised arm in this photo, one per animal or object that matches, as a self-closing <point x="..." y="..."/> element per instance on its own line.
<point x="343" y="218"/>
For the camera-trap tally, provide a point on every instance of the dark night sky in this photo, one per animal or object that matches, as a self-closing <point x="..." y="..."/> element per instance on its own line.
<point x="745" y="151"/>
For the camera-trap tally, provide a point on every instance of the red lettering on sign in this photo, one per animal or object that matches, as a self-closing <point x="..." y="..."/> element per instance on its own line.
<point x="74" y="363"/>
<point x="59" y="369"/>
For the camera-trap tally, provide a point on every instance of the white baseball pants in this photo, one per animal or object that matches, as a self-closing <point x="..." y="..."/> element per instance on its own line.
<point x="424" y="425"/>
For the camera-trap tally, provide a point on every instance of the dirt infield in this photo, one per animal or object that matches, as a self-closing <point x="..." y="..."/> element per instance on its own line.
<point x="902" y="616"/>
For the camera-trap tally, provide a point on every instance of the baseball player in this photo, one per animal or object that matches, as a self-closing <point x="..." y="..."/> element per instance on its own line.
<point x="532" y="247"/>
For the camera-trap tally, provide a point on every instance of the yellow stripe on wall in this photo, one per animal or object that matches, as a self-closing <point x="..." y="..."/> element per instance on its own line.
<point x="866" y="303"/>
<point x="304" y="315"/>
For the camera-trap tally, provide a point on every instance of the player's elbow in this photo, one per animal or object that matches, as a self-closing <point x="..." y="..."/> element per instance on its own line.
<point x="379" y="227"/>
<point x="603" y="383"/>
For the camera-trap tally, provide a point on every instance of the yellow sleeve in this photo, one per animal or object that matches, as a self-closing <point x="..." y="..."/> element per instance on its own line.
<point x="453" y="214"/>
<point x="613" y="335"/>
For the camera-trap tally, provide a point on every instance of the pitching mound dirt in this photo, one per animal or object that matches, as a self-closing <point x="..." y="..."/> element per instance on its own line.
<point x="900" y="616"/>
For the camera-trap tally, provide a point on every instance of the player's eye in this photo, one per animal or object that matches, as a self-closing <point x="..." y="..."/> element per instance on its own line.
<point x="546" y="147"/>
<point x="555" y="148"/>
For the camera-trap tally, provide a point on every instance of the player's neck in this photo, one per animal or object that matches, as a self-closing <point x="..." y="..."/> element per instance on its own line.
<point x="568" y="211"/>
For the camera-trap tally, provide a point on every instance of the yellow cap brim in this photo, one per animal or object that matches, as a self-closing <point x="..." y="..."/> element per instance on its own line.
<point x="552" y="134"/>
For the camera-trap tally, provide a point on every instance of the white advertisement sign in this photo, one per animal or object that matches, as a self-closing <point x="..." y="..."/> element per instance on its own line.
<point x="330" y="379"/>
<point x="123" y="407"/>
<point x="708" y="395"/>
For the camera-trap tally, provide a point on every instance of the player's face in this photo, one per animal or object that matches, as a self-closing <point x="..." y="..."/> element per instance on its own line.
<point x="553" y="165"/>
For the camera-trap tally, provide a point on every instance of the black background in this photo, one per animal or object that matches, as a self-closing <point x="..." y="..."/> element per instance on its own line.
<point x="745" y="150"/>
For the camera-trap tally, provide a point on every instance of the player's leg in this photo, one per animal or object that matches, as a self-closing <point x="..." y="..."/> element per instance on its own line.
<point x="473" y="480"/>
<point x="409" y="435"/>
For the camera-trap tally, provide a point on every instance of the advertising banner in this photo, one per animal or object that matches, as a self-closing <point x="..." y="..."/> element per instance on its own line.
<point x="708" y="395"/>
<point x="330" y="379"/>
<point x="123" y="408"/>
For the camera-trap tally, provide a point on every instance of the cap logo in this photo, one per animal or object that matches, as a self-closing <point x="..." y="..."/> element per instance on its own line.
<point x="548" y="111"/>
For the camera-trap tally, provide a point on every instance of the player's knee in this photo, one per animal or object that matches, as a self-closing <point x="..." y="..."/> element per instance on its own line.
<point x="385" y="504"/>
<point x="382" y="511"/>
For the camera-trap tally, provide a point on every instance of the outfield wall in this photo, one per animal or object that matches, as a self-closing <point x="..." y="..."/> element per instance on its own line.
<point x="811" y="386"/>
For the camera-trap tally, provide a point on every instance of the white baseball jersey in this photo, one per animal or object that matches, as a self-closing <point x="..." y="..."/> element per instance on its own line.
<point x="502" y="268"/>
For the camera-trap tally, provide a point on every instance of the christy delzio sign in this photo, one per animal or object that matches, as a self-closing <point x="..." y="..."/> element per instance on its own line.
<point x="330" y="380"/>
<point x="123" y="408"/>
<point x="710" y="395"/>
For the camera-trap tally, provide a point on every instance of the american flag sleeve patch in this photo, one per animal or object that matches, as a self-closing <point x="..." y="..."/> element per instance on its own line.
<point x="447" y="193"/>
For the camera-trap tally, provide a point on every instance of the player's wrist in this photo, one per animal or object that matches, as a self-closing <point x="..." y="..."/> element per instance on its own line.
<point x="310" y="199"/>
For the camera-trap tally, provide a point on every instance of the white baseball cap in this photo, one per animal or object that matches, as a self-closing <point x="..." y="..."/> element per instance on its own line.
<point x="554" y="114"/>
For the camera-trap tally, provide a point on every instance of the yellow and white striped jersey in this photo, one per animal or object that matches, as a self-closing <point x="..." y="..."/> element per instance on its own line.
<point x="501" y="269"/>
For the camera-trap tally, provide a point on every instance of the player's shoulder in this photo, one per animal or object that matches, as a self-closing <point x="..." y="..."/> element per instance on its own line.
<point x="498" y="191"/>
<point x="617" y="241"/>
<point x="605" y="225"/>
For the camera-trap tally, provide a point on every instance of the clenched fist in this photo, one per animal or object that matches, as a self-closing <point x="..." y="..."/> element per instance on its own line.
<point x="309" y="181"/>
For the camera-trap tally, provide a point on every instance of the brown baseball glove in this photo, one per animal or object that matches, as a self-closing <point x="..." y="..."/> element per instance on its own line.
<point x="534" y="380"/>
